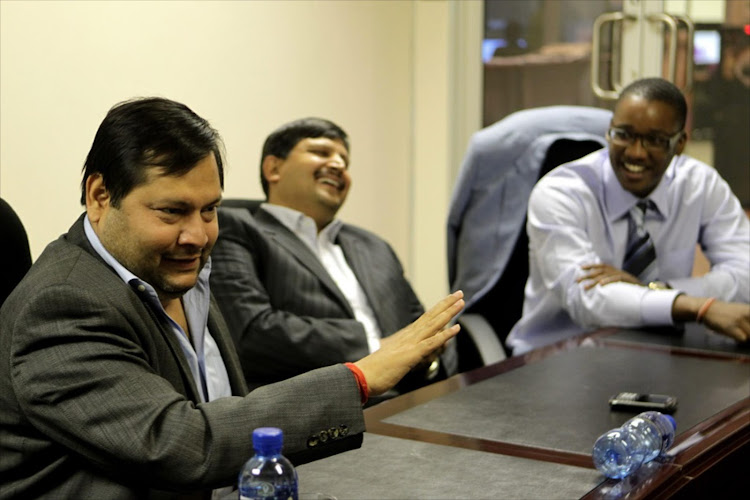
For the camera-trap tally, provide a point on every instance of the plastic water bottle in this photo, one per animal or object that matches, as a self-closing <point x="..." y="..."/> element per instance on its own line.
<point x="268" y="475"/>
<point x="621" y="451"/>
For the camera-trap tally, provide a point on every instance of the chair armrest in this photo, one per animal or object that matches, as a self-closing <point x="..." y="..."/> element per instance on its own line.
<point x="484" y="337"/>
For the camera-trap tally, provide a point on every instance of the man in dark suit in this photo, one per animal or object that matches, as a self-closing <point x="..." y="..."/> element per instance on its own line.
<point x="300" y="289"/>
<point x="118" y="376"/>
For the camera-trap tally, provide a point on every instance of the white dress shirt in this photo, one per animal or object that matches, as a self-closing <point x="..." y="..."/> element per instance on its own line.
<point x="323" y="245"/>
<point x="577" y="215"/>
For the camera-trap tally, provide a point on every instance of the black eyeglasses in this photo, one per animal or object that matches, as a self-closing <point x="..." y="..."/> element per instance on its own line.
<point x="651" y="142"/>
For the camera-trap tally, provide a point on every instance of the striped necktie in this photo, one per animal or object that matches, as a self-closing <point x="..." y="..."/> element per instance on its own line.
<point x="640" y="256"/>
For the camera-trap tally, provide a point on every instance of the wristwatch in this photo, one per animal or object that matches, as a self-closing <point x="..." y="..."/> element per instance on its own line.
<point x="659" y="285"/>
<point x="432" y="370"/>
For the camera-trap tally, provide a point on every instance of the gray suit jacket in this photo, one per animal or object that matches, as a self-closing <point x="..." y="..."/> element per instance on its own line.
<point x="501" y="166"/>
<point x="97" y="399"/>
<point x="285" y="313"/>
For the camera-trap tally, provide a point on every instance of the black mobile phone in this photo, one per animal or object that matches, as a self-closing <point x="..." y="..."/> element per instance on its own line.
<point x="636" y="401"/>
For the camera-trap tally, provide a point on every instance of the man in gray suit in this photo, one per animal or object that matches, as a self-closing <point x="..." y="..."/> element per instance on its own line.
<point x="118" y="376"/>
<point x="300" y="289"/>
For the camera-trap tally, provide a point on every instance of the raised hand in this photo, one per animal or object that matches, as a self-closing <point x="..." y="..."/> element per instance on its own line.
<point x="411" y="345"/>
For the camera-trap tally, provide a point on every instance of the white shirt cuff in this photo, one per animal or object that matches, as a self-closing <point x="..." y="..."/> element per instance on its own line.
<point x="656" y="307"/>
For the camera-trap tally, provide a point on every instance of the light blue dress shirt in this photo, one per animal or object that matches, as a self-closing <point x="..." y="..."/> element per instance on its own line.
<point x="203" y="356"/>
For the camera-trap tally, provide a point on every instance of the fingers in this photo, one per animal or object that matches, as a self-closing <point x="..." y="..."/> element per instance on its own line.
<point x="430" y="323"/>
<point x="590" y="285"/>
<point x="446" y="316"/>
<point x="448" y="333"/>
<point x="589" y="267"/>
<point x="449" y="301"/>
<point x="730" y="319"/>
<point x="441" y="313"/>
<point x="737" y="334"/>
<point x="438" y="323"/>
<point x="434" y="343"/>
<point x="745" y="326"/>
<point x="597" y="279"/>
<point x="604" y="274"/>
<point x="443" y="305"/>
<point x="614" y="278"/>
<point x="743" y="330"/>
<point x="385" y="367"/>
<point x="597" y="271"/>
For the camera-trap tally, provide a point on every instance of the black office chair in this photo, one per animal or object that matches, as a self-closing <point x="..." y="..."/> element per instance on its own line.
<point x="487" y="240"/>
<point x="17" y="259"/>
<point x="250" y="204"/>
<point x="502" y="305"/>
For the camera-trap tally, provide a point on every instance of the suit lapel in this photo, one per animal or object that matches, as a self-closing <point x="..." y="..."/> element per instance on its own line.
<point x="358" y="257"/>
<point x="295" y="247"/>
<point x="77" y="236"/>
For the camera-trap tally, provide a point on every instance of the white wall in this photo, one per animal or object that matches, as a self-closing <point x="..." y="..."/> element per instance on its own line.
<point x="699" y="11"/>
<point x="246" y="66"/>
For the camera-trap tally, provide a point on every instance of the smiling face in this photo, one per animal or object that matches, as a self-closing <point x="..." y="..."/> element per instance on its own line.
<point x="313" y="179"/>
<point x="164" y="229"/>
<point x="639" y="169"/>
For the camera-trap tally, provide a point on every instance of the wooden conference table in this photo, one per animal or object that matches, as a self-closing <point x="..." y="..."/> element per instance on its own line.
<point x="524" y="428"/>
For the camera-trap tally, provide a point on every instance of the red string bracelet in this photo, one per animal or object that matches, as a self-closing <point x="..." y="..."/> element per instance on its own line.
<point x="704" y="309"/>
<point x="361" y="381"/>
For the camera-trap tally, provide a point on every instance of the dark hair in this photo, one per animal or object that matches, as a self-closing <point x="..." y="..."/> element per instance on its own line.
<point x="283" y="139"/>
<point x="148" y="132"/>
<point x="659" y="89"/>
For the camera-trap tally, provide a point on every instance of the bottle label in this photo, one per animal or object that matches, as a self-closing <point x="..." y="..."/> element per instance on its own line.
<point x="266" y="491"/>
<point x="258" y="489"/>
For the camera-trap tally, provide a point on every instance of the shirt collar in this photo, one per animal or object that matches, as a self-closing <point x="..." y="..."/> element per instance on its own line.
<point x="201" y="288"/>
<point x="302" y="225"/>
<point x="618" y="201"/>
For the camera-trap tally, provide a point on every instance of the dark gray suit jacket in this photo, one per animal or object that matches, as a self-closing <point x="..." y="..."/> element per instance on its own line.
<point x="285" y="313"/>
<point x="97" y="399"/>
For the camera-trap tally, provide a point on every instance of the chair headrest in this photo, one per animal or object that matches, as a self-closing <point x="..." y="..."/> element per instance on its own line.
<point x="249" y="204"/>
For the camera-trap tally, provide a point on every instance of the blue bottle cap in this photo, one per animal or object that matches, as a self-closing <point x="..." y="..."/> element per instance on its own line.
<point x="268" y="440"/>
<point x="672" y="421"/>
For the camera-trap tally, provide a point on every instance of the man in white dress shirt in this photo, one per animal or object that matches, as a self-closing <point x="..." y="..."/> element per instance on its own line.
<point x="593" y="264"/>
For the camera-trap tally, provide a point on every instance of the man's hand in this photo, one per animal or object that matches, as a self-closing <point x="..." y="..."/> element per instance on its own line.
<point x="423" y="367"/>
<point x="728" y="318"/>
<point x="603" y="274"/>
<point x="411" y="345"/>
